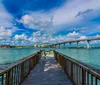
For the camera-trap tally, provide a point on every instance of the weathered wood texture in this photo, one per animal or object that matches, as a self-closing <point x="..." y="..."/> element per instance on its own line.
<point x="47" y="72"/>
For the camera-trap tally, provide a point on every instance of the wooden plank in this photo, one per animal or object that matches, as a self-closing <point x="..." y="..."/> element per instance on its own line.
<point x="47" y="72"/>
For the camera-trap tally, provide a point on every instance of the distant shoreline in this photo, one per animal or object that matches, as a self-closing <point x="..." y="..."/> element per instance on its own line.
<point x="81" y="47"/>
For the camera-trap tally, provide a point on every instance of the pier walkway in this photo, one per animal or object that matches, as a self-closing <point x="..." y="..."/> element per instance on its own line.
<point x="47" y="72"/>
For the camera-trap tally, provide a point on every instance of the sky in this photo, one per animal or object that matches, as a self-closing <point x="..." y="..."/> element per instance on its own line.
<point x="29" y="22"/>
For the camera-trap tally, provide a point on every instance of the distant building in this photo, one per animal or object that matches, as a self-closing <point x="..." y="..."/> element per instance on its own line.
<point x="36" y="46"/>
<point x="43" y="45"/>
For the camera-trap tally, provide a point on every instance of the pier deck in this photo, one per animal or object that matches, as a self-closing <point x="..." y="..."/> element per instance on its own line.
<point x="47" y="72"/>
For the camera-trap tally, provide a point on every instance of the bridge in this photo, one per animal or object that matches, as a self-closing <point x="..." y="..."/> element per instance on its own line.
<point x="49" y="68"/>
<point x="73" y="41"/>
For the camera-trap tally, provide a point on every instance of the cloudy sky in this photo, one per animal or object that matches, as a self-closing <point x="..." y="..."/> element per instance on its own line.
<point x="26" y="22"/>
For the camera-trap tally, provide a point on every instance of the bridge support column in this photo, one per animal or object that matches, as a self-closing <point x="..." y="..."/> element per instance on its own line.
<point x="64" y="45"/>
<point x="55" y="46"/>
<point x="77" y="44"/>
<point x="88" y="44"/>
<point x="58" y="46"/>
<point x="69" y="44"/>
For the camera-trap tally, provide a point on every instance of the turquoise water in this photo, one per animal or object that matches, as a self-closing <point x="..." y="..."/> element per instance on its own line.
<point x="8" y="55"/>
<point x="89" y="56"/>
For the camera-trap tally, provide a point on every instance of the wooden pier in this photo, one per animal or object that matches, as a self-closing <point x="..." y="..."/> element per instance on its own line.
<point x="47" y="72"/>
<point x="49" y="68"/>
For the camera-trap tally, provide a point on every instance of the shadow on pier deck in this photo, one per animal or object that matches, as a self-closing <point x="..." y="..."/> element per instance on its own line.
<point x="47" y="72"/>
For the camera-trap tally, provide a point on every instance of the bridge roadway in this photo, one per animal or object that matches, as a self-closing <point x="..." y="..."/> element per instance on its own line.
<point x="77" y="41"/>
<point x="47" y="72"/>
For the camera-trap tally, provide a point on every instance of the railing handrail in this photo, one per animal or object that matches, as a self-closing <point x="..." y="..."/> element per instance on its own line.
<point x="86" y="67"/>
<point x="18" y="70"/>
<point x="17" y="63"/>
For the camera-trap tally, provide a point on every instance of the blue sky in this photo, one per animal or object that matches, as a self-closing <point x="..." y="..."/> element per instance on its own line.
<point x="27" y="22"/>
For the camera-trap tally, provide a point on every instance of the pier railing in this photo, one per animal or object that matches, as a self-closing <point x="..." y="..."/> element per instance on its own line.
<point x="79" y="73"/>
<point x="16" y="74"/>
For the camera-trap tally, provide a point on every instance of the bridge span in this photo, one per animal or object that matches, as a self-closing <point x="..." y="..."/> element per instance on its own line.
<point x="77" y="41"/>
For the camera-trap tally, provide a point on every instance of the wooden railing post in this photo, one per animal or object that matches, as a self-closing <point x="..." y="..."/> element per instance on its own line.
<point x="71" y="70"/>
<point x="83" y="77"/>
<point x="2" y="81"/>
<point x="8" y="78"/>
<point x="30" y="65"/>
<point x="22" y="71"/>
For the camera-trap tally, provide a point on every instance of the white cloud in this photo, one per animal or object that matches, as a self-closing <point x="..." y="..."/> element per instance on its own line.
<point x="83" y="37"/>
<point x="38" y="38"/>
<point x="45" y="38"/>
<point x="97" y="35"/>
<point x="5" y="33"/>
<point x="37" y="20"/>
<point x="20" y="37"/>
<point x="67" y="13"/>
<point x="23" y="39"/>
<point x="73" y="34"/>
<point x="36" y="34"/>
<point x="53" y="21"/>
